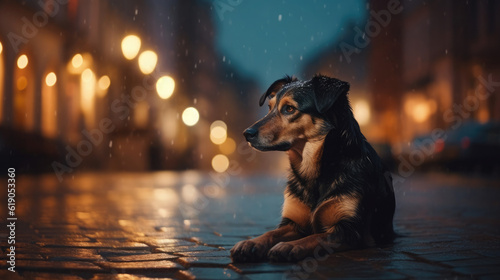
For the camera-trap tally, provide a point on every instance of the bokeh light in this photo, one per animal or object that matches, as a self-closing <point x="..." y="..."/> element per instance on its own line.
<point x="218" y="135"/>
<point x="1" y="48"/>
<point x="22" y="83"/>
<point x="190" y="116"/>
<point x="102" y="85"/>
<point x="51" y="79"/>
<point x="131" y="45"/>
<point x="147" y="62"/>
<point x="22" y="61"/>
<point x="228" y="147"/>
<point x="104" y="82"/>
<point x="361" y="110"/>
<point x="165" y="87"/>
<point x="421" y="112"/>
<point x="77" y="61"/>
<point x="220" y="163"/>
<point x="87" y="75"/>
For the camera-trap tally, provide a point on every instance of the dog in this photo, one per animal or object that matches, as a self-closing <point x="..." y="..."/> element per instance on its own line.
<point x="339" y="195"/>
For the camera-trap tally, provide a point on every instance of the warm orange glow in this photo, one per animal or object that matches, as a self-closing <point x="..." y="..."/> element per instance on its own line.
<point x="141" y="114"/>
<point x="22" y="83"/>
<point x="51" y="79"/>
<point x="88" y="90"/>
<point x="147" y="62"/>
<point x="228" y="147"/>
<point x="104" y="82"/>
<point x="218" y="135"/>
<point x="361" y="110"/>
<point x="218" y="132"/>
<point x="220" y="163"/>
<point x="165" y="87"/>
<point x="49" y="106"/>
<point x="421" y="112"/>
<point x="1" y="48"/>
<point x="22" y="61"/>
<point x="103" y="85"/>
<point x="131" y="45"/>
<point x="77" y="61"/>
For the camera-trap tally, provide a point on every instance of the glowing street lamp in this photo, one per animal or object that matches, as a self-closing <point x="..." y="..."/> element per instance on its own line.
<point x="22" y="61"/>
<point x="190" y="116"/>
<point x="51" y="79"/>
<point x="131" y="45"/>
<point x="102" y="85"/>
<point x="147" y="62"/>
<point x="77" y="61"/>
<point x="165" y="87"/>
<point x="104" y="82"/>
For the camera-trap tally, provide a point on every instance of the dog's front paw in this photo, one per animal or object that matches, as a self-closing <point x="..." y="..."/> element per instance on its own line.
<point x="286" y="252"/>
<point x="249" y="251"/>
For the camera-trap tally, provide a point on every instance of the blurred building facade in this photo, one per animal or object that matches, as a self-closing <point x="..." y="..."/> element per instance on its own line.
<point x="422" y="68"/>
<point x="68" y="95"/>
<point x="431" y="63"/>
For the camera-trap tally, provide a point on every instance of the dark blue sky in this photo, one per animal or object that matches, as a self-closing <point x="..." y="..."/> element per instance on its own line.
<point x="267" y="39"/>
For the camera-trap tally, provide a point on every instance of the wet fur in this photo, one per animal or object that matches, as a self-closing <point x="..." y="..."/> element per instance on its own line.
<point x="339" y="195"/>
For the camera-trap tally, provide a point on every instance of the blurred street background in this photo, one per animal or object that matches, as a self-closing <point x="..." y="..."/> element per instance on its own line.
<point x="122" y="114"/>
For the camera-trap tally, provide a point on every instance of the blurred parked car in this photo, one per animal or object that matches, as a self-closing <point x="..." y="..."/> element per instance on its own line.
<point x="471" y="146"/>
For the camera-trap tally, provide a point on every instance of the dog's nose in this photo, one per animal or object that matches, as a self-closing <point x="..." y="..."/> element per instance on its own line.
<point x="250" y="133"/>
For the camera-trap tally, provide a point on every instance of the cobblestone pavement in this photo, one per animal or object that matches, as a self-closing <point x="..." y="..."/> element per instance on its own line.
<point x="182" y="225"/>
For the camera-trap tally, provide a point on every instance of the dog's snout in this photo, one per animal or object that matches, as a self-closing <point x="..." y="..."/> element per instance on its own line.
<point x="250" y="133"/>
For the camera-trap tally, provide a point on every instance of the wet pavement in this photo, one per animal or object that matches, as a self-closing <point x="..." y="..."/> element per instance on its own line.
<point x="182" y="225"/>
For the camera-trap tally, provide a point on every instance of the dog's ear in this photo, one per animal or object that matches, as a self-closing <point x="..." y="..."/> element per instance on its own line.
<point x="275" y="87"/>
<point x="327" y="90"/>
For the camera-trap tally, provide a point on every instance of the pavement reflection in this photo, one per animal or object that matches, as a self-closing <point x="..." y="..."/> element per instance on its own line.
<point x="182" y="225"/>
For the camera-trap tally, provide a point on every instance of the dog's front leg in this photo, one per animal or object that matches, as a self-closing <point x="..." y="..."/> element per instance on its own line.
<point x="256" y="249"/>
<point x="318" y="246"/>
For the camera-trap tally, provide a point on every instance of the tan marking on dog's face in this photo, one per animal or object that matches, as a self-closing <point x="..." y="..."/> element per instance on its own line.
<point x="272" y="102"/>
<point x="296" y="210"/>
<point x="330" y="212"/>
<point x="286" y="127"/>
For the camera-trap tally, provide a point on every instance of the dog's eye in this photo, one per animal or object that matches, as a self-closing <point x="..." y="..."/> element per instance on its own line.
<point x="289" y="109"/>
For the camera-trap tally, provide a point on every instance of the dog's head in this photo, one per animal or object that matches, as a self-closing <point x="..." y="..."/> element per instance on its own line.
<point x="299" y="112"/>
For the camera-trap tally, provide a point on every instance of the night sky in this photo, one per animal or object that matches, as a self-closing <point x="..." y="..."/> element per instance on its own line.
<point x="268" y="39"/>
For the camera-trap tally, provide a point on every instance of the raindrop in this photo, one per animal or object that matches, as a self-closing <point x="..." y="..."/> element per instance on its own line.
<point x="224" y="58"/>
<point x="195" y="100"/>
<point x="446" y="51"/>
<point x="110" y="143"/>
<point x="300" y="58"/>
<point x="280" y="17"/>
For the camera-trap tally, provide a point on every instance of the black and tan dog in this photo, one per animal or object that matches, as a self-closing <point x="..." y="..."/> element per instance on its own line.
<point x="339" y="195"/>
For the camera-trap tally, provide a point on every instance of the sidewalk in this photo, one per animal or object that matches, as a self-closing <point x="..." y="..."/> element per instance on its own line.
<point x="182" y="225"/>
